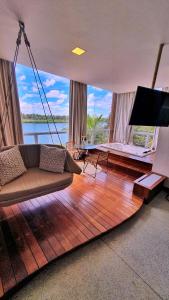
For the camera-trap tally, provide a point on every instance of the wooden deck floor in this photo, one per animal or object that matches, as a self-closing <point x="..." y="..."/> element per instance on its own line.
<point x="35" y="232"/>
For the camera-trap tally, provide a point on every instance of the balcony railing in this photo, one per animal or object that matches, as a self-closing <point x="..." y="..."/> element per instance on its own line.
<point x="46" y="136"/>
<point x="94" y="136"/>
<point x="98" y="136"/>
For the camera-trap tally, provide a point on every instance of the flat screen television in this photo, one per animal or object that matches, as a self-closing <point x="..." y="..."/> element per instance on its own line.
<point x="151" y="108"/>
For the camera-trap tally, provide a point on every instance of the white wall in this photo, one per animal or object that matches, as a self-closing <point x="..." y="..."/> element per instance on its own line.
<point x="161" y="163"/>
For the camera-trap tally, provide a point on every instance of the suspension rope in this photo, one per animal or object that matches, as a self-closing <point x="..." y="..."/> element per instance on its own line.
<point x="34" y="66"/>
<point x="47" y="101"/>
<point x="37" y="77"/>
<point x="40" y="96"/>
<point x="27" y="43"/>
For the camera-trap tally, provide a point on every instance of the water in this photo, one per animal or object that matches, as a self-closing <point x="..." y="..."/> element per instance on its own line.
<point x="43" y="127"/>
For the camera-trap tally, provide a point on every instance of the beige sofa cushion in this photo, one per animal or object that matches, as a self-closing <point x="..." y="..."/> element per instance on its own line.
<point x="11" y="165"/>
<point x="52" y="159"/>
<point x="32" y="184"/>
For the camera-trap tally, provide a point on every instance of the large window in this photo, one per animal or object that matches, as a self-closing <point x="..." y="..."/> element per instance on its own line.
<point x="98" y="111"/>
<point x="35" y="127"/>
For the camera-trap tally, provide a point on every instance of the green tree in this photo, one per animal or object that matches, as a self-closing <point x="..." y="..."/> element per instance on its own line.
<point x="92" y="123"/>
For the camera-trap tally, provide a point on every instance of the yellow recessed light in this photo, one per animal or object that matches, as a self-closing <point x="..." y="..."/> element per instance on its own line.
<point x="78" y="51"/>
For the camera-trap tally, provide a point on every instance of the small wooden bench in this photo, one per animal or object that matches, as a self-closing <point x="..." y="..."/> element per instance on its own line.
<point x="148" y="185"/>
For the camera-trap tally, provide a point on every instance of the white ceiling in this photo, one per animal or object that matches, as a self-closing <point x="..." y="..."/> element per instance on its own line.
<point x="121" y="38"/>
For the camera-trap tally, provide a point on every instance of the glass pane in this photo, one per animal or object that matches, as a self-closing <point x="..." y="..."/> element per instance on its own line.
<point x="139" y="140"/>
<point x="143" y="136"/>
<point x="98" y="110"/>
<point x="33" y="115"/>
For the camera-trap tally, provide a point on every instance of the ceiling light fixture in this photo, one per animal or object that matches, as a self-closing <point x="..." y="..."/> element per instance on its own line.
<point x="78" y="51"/>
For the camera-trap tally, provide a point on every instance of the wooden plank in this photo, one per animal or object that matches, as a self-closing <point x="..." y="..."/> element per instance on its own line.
<point x="76" y="222"/>
<point x="1" y="289"/>
<point x="60" y="210"/>
<point x="11" y="244"/>
<point x="65" y="237"/>
<point x="29" y="237"/>
<point x="114" y="219"/>
<point x="65" y="228"/>
<point x="112" y="192"/>
<point x="38" y="228"/>
<point x="85" y="213"/>
<point x="37" y="231"/>
<point x="92" y="211"/>
<point x="113" y="201"/>
<point x="50" y="226"/>
<point x="23" y="249"/>
<point x="6" y="272"/>
<point x="57" y="229"/>
<point x="78" y="213"/>
<point x="77" y="216"/>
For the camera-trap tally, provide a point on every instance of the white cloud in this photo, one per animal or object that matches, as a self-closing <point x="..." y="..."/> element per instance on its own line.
<point x="34" y="87"/>
<point x="49" y="76"/>
<point x="108" y="98"/>
<point x="24" y="88"/>
<point x="60" y="101"/>
<point x="56" y="94"/>
<point x="61" y="79"/>
<point x="22" y="77"/>
<point x="91" y="100"/>
<point x="97" y="89"/>
<point x="36" y="108"/>
<point x="17" y="69"/>
<point x="99" y="103"/>
<point x="26" y="96"/>
<point x="49" y="82"/>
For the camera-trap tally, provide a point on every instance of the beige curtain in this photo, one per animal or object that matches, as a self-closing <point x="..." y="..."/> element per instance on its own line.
<point x="112" y="117"/>
<point x="10" y="118"/>
<point x="77" y="111"/>
<point x="123" y="109"/>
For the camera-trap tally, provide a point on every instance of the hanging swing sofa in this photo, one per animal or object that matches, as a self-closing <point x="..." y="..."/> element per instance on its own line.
<point x="36" y="182"/>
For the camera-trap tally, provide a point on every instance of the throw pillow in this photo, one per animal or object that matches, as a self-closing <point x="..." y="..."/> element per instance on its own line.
<point x="11" y="165"/>
<point x="52" y="159"/>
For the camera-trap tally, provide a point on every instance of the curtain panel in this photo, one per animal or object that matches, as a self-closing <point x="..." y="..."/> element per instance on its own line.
<point x="122" y="105"/>
<point x="112" y="117"/>
<point x="77" y="111"/>
<point x="10" y="117"/>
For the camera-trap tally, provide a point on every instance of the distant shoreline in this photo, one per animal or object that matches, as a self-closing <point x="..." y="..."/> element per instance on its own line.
<point x="43" y="121"/>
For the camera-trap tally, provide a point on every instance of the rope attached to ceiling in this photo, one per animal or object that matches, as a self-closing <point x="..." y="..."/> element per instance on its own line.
<point x="39" y="84"/>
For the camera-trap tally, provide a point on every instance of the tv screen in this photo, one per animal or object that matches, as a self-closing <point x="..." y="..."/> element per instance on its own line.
<point x="151" y="108"/>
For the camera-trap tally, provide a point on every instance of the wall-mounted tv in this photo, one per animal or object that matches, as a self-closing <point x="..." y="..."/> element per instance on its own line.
<point x="151" y="108"/>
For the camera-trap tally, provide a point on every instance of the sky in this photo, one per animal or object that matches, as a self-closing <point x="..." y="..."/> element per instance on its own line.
<point x="57" y="93"/>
